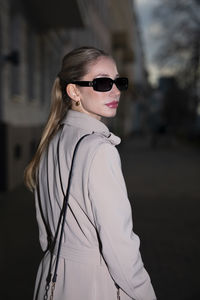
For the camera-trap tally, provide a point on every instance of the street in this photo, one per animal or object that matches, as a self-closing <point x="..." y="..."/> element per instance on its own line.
<point x="164" y="191"/>
<point x="163" y="186"/>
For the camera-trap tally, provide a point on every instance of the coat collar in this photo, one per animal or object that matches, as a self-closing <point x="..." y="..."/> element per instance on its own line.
<point x="89" y="124"/>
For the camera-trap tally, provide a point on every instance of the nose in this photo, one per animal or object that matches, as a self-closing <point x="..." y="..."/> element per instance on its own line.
<point x="115" y="90"/>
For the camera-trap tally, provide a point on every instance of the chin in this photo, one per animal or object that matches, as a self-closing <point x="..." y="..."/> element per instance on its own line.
<point x="110" y="114"/>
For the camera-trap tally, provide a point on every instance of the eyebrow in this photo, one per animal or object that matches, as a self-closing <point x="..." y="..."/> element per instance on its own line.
<point x="105" y="75"/>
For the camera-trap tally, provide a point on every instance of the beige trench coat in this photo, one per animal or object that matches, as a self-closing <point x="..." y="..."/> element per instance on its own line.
<point x="99" y="247"/>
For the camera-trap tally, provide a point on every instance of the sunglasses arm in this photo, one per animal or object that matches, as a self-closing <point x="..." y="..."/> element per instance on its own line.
<point x="83" y="83"/>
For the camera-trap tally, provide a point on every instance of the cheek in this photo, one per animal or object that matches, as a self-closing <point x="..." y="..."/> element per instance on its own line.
<point x="93" y="99"/>
<point x="100" y="99"/>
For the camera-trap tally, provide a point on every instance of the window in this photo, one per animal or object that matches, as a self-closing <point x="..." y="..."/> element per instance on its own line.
<point x="15" y="45"/>
<point x="31" y="64"/>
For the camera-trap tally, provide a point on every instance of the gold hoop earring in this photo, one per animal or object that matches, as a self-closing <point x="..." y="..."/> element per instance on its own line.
<point x="78" y="103"/>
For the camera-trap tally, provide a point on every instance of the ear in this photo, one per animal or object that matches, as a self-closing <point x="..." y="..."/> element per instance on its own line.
<point x="73" y="92"/>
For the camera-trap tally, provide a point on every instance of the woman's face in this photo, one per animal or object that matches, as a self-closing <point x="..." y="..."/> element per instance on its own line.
<point x="99" y="104"/>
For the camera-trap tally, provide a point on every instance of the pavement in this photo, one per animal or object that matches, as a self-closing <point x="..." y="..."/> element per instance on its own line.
<point x="164" y="190"/>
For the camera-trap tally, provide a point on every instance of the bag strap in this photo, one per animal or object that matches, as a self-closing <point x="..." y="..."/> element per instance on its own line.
<point x="63" y="212"/>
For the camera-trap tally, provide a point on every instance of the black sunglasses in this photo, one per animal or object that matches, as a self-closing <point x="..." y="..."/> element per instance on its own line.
<point x="104" y="84"/>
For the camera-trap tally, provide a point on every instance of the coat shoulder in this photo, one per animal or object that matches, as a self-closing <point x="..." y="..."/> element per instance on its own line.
<point x="93" y="141"/>
<point x="97" y="138"/>
<point x="98" y="146"/>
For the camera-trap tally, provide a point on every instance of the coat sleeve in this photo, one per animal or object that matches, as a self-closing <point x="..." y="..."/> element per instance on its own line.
<point x="113" y="219"/>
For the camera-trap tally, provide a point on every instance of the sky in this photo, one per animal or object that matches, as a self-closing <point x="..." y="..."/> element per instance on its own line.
<point x="149" y="28"/>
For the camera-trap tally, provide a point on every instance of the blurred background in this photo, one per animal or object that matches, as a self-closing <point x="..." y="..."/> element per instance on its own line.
<point x="156" y="44"/>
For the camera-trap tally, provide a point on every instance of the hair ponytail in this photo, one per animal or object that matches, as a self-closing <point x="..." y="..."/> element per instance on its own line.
<point x="57" y="112"/>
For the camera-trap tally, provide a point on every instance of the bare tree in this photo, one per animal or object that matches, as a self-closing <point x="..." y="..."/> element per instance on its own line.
<point x="179" y="39"/>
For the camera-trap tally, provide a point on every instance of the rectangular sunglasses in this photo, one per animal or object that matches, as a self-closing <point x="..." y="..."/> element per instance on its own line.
<point x="104" y="84"/>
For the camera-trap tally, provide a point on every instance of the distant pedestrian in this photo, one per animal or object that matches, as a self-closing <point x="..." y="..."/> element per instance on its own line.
<point x="99" y="255"/>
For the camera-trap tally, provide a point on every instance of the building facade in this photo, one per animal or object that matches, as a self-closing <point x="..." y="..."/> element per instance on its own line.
<point x="32" y="44"/>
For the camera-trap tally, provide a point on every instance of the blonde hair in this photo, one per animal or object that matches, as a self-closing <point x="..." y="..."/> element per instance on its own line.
<point x="74" y="66"/>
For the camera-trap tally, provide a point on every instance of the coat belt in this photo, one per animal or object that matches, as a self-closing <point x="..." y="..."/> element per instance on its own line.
<point x="81" y="255"/>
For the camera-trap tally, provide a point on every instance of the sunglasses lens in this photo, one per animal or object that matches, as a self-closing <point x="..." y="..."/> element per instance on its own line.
<point x="122" y="83"/>
<point x="102" y="84"/>
<point x="105" y="84"/>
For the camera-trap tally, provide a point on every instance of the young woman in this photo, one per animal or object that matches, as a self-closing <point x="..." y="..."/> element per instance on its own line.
<point x="99" y="255"/>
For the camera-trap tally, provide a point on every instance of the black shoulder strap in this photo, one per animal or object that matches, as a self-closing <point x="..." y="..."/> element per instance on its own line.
<point x="64" y="209"/>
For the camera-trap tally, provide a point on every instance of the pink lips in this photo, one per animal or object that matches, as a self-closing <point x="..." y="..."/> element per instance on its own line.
<point x="112" y="104"/>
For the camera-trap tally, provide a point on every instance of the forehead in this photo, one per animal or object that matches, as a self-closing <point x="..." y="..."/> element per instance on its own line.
<point x="103" y="66"/>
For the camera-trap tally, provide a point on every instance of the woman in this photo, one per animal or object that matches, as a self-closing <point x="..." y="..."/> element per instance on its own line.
<point x="99" y="256"/>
